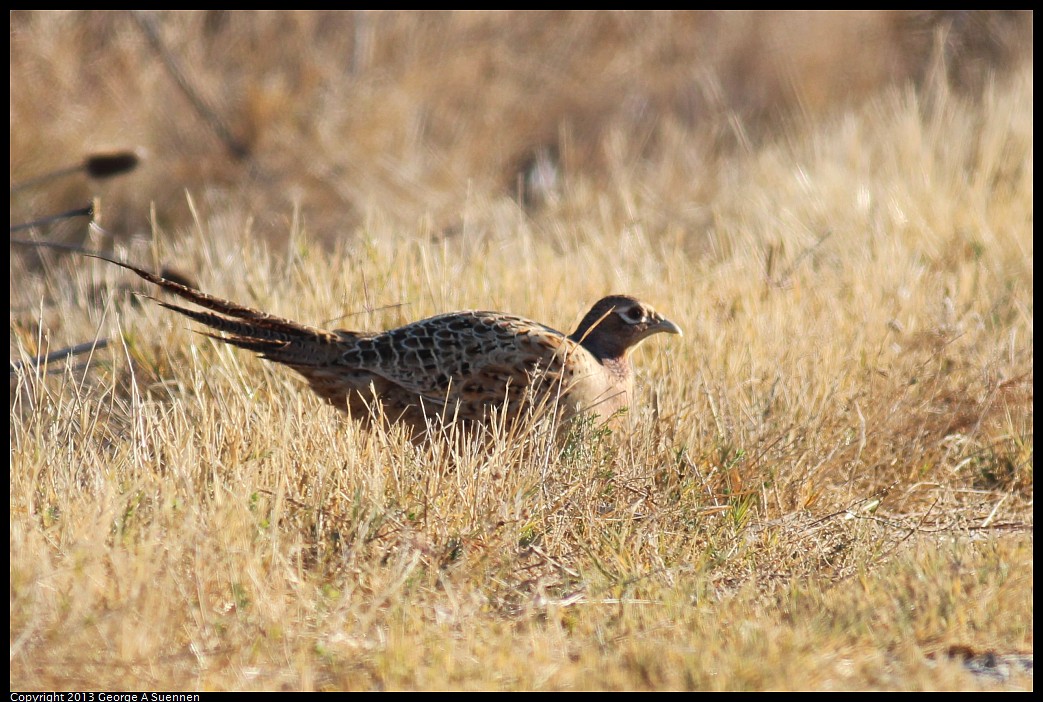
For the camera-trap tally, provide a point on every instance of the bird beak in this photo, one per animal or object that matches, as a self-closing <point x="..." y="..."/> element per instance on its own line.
<point x="666" y="326"/>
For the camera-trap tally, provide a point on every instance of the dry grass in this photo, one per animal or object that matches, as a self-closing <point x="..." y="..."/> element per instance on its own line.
<point x="826" y="484"/>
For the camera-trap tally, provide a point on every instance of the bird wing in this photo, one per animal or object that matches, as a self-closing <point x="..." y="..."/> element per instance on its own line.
<point x="469" y="357"/>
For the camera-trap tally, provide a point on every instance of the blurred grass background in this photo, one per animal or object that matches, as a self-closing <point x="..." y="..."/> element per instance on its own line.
<point x="342" y="113"/>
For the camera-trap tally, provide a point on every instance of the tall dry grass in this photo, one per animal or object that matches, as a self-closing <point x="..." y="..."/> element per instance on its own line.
<point x="826" y="484"/>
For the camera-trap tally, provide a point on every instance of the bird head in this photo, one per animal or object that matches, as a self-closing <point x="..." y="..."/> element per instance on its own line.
<point x="617" y="323"/>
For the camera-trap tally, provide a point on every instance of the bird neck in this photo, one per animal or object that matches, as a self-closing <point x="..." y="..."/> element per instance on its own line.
<point x="607" y="348"/>
<point x="592" y="335"/>
<point x="618" y="366"/>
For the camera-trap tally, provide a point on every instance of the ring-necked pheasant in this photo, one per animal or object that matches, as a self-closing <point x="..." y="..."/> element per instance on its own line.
<point x="451" y="367"/>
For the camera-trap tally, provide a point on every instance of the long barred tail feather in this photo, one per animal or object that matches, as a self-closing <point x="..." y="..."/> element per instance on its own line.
<point x="270" y="328"/>
<point x="276" y="338"/>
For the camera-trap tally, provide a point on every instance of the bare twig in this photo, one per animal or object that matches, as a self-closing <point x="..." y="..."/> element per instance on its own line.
<point x="61" y="354"/>
<point x="87" y="211"/>
<point x="206" y="112"/>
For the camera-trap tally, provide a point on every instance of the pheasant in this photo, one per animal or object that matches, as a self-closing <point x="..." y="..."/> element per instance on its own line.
<point x="452" y="367"/>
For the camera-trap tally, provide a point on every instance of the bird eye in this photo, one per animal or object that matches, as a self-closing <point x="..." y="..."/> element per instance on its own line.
<point x="632" y="315"/>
